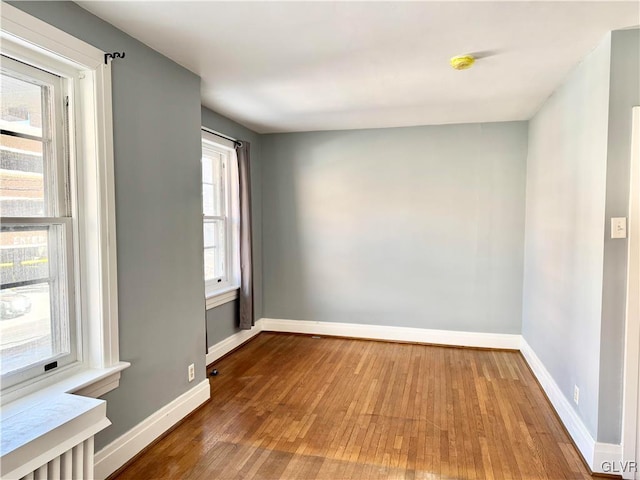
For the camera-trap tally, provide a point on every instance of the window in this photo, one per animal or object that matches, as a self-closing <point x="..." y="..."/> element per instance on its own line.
<point x="37" y="325"/>
<point x="220" y="214"/>
<point x="58" y="297"/>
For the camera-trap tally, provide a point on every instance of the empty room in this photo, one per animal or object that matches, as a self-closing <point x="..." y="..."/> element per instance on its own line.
<point x="320" y="240"/>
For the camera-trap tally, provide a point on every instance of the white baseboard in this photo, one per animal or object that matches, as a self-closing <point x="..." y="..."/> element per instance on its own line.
<point x="125" y="447"/>
<point x="607" y="458"/>
<point x="594" y="453"/>
<point x="403" y="334"/>
<point x="225" y="346"/>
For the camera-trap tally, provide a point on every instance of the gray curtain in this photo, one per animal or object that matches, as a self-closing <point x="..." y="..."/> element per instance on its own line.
<point x="246" y="256"/>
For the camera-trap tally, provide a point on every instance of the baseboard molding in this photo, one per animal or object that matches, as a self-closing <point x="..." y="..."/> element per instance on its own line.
<point x="607" y="458"/>
<point x="594" y="453"/>
<point x="125" y="447"/>
<point x="401" y="334"/>
<point x="234" y="341"/>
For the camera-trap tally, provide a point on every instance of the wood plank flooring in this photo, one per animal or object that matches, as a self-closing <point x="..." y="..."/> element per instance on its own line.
<point x="296" y="407"/>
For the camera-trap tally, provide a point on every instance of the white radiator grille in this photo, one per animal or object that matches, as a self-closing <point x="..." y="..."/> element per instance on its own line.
<point x="74" y="464"/>
<point x="50" y="437"/>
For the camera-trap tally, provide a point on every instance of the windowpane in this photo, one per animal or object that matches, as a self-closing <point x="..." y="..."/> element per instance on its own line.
<point x="24" y="254"/>
<point x="27" y="333"/>
<point x="213" y="188"/>
<point x="213" y="233"/>
<point x="33" y="306"/>
<point x="207" y="169"/>
<point x="22" y="192"/>
<point x="27" y="158"/>
<point x="208" y="201"/>
<point x="215" y="250"/>
<point x="21" y="109"/>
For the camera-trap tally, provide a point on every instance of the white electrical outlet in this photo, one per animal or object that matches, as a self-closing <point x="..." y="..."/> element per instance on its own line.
<point x="619" y="227"/>
<point x="576" y="394"/>
<point x="192" y="372"/>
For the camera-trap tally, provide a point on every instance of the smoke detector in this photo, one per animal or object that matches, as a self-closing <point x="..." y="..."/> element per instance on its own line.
<point x="462" y="62"/>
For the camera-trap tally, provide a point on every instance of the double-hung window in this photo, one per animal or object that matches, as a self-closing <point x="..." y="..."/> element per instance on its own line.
<point x="58" y="297"/>
<point x="220" y="214"/>
<point x="37" y="310"/>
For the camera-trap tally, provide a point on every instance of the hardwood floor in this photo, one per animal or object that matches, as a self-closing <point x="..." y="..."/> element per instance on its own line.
<point x="297" y="407"/>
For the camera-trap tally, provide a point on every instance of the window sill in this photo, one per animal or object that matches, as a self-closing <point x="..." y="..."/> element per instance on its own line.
<point x="221" y="297"/>
<point x="88" y="382"/>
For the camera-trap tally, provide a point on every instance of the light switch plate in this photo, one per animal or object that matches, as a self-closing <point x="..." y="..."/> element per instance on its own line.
<point x="619" y="227"/>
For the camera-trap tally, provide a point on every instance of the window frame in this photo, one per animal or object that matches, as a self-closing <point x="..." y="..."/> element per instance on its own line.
<point x="55" y="110"/>
<point x="62" y="298"/>
<point x="92" y="192"/>
<point x="219" y="289"/>
<point x="57" y="214"/>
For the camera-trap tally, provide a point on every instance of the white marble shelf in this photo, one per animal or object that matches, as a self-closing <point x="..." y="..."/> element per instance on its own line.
<point x="40" y="429"/>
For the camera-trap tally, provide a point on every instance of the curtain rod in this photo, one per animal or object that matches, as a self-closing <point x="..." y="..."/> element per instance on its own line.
<point x="221" y="135"/>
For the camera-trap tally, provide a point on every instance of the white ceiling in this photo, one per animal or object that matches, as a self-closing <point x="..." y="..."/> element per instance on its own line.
<point x="294" y="66"/>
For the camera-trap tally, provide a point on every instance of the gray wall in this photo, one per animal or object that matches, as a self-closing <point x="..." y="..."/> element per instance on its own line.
<point x="416" y="227"/>
<point x="156" y="117"/>
<point x="565" y="208"/>
<point x="223" y="321"/>
<point x="624" y="94"/>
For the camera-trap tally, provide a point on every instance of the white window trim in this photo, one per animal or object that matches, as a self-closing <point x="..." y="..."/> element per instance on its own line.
<point x="31" y="40"/>
<point x="227" y="291"/>
<point x="222" y="297"/>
